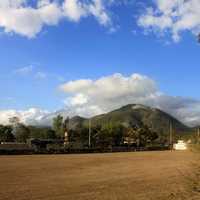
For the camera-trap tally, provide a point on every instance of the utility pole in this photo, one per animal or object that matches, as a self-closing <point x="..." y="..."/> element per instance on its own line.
<point x="171" y="135"/>
<point x="89" y="137"/>
<point x="66" y="131"/>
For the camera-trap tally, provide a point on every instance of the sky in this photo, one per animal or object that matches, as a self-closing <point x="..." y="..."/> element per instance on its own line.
<point x="88" y="57"/>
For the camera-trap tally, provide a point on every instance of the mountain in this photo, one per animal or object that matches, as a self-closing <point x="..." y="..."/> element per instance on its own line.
<point x="135" y="114"/>
<point x="77" y="122"/>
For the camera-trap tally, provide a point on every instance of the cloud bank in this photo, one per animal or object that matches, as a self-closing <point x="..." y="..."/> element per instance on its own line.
<point x="91" y="97"/>
<point x="172" y="16"/>
<point x="17" y="16"/>
<point x="32" y="116"/>
<point x="87" y="97"/>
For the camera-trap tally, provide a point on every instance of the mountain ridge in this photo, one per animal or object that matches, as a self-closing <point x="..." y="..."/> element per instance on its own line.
<point x="135" y="114"/>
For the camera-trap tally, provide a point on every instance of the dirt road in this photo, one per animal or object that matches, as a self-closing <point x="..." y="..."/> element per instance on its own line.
<point x="118" y="176"/>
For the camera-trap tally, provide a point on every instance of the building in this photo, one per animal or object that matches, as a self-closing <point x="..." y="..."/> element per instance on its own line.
<point x="181" y="145"/>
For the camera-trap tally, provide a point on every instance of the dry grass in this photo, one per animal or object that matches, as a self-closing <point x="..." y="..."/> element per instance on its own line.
<point x="118" y="176"/>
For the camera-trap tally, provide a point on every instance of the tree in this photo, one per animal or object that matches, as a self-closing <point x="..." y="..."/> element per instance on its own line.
<point x="14" y="121"/>
<point x="58" y="126"/>
<point x="110" y="134"/>
<point x="6" y="134"/>
<point x="114" y="132"/>
<point x="49" y="134"/>
<point x="22" y="133"/>
<point x="132" y="136"/>
<point x="141" y="135"/>
<point x="103" y="137"/>
<point x="41" y="133"/>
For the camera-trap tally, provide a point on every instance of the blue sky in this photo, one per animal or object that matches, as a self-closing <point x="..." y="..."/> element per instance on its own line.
<point x="33" y="67"/>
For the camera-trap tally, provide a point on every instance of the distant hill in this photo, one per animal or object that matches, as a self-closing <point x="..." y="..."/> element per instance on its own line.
<point x="135" y="114"/>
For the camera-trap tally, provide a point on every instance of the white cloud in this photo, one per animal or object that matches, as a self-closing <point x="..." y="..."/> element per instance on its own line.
<point x="98" y="10"/>
<point x="20" y="18"/>
<point x="108" y="93"/>
<point x="50" y="13"/>
<point x="74" y="86"/>
<point x="36" y="73"/>
<point x="172" y="16"/>
<point x="31" y="116"/>
<point x="77" y="100"/>
<point x="74" y="10"/>
<point x="17" y="16"/>
<point x="24" y="70"/>
<point x="105" y="87"/>
<point x="91" y="97"/>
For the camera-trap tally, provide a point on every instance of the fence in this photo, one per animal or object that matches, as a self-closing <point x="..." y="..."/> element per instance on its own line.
<point x="17" y="149"/>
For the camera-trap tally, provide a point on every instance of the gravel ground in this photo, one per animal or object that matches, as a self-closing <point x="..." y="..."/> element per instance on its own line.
<point x="118" y="176"/>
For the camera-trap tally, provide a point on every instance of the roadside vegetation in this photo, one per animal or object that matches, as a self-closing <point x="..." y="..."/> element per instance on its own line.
<point x="111" y="134"/>
<point x="79" y="133"/>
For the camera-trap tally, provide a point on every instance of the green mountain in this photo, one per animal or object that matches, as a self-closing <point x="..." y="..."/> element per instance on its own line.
<point x="135" y="114"/>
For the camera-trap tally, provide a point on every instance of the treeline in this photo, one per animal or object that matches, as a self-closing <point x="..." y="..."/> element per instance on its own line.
<point x="103" y="136"/>
<point x="22" y="133"/>
<point x="95" y="136"/>
<point x="19" y="132"/>
<point x="111" y="134"/>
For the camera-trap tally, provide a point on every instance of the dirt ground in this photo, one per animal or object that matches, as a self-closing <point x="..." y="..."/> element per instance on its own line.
<point x="118" y="176"/>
